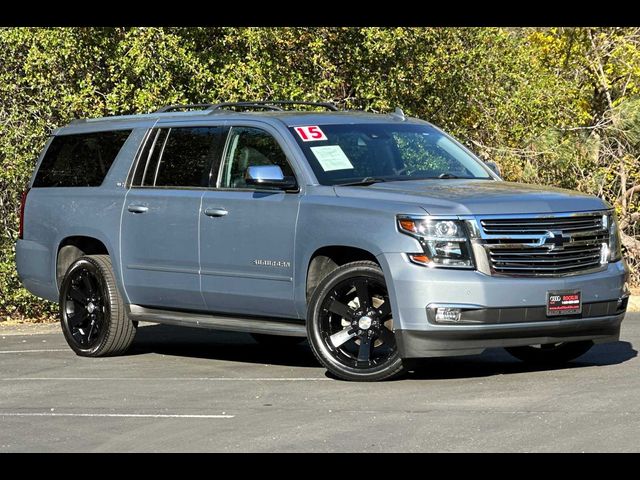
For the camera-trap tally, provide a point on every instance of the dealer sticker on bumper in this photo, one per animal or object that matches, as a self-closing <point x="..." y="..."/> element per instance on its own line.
<point x="564" y="303"/>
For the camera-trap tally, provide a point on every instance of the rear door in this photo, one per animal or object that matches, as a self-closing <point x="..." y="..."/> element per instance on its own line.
<point x="159" y="229"/>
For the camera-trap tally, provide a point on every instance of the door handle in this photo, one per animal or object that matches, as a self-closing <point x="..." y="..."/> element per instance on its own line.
<point x="215" y="212"/>
<point x="137" y="208"/>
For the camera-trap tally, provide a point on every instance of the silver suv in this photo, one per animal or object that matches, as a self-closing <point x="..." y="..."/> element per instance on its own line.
<point x="380" y="238"/>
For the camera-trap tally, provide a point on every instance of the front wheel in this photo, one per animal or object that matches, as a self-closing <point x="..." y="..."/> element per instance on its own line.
<point x="350" y="325"/>
<point x="551" y="353"/>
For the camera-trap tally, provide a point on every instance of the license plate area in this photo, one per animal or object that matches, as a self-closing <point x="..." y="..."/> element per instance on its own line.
<point x="564" y="302"/>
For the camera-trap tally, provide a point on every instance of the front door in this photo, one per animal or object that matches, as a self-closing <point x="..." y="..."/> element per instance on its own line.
<point x="159" y="229"/>
<point x="247" y="234"/>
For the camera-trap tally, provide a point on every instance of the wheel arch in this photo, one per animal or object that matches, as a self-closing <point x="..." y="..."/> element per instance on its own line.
<point x="72" y="247"/>
<point x="327" y="258"/>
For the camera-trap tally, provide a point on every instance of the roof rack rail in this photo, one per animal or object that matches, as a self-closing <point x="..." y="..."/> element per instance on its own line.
<point x="171" y="108"/>
<point x="258" y="105"/>
<point x="274" y="105"/>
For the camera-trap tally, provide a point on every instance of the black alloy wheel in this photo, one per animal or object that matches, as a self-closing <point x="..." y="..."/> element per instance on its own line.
<point x="92" y="312"/>
<point x="350" y="324"/>
<point x="84" y="308"/>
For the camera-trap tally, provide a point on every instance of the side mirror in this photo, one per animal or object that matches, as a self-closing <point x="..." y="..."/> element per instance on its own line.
<point x="269" y="176"/>
<point x="493" y="166"/>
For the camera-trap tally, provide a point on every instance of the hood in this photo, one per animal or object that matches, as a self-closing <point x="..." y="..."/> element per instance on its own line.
<point x="476" y="197"/>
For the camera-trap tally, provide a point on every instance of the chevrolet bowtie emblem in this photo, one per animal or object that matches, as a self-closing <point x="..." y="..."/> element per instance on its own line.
<point x="554" y="240"/>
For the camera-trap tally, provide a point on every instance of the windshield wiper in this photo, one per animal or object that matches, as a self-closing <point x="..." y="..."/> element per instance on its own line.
<point x="364" y="182"/>
<point x="447" y="175"/>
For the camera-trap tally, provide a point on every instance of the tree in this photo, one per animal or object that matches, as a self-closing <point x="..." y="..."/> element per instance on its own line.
<point x="556" y="106"/>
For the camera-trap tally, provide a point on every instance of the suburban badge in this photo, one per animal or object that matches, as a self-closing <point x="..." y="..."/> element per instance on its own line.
<point x="271" y="263"/>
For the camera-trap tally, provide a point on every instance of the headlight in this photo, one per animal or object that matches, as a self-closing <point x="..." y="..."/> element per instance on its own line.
<point x="445" y="243"/>
<point x="615" y="252"/>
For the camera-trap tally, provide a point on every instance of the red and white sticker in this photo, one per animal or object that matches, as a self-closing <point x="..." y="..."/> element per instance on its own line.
<point x="311" y="133"/>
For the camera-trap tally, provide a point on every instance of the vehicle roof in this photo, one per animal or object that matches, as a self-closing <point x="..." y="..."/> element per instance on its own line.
<point x="290" y="118"/>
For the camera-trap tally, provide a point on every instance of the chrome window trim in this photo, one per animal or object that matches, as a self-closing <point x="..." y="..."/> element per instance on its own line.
<point x="151" y="149"/>
<point x="160" y="155"/>
<point x="223" y="158"/>
<point x="135" y="164"/>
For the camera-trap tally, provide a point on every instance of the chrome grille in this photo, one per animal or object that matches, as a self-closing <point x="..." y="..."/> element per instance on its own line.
<point x="542" y="225"/>
<point x="554" y="246"/>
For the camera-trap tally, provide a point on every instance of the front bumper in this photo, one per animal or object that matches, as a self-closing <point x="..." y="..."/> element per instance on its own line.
<point x="466" y="340"/>
<point x="505" y="311"/>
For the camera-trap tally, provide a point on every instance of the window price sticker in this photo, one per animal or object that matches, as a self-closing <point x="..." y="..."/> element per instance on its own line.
<point x="332" y="157"/>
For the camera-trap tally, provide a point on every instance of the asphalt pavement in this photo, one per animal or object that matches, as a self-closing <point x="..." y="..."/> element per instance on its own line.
<point x="182" y="389"/>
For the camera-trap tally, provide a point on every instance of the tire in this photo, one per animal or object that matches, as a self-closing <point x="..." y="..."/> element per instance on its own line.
<point x="92" y="313"/>
<point x="551" y="354"/>
<point x="277" y="340"/>
<point x="365" y="349"/>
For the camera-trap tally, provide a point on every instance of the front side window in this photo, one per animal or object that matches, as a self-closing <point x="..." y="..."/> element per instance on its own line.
<point x="248" y="147"/>
<point x="341" y="154"/>
<point x="80" y="160"/>
<point x="178" y="157"/>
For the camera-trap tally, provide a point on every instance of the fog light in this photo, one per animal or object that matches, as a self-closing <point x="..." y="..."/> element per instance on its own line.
<point x="447" y="315"/>
<point x="622" y="304"/>
<point x="604" y="254"/>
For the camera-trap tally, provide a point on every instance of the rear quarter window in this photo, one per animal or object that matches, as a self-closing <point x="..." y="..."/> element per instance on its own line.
<point x="81" y="160"/>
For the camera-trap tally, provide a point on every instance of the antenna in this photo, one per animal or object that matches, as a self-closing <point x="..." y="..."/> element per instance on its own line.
<point x="399" y="114"/>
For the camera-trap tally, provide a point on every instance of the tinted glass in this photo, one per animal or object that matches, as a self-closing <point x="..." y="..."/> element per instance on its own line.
<point x="351" y="153"/>
<point x="249" y="147"/>
<point x="186" y="157"/>
<point x="157" y="143"/>
<point x="81" y="160"/>
<point x="148" y="160"/>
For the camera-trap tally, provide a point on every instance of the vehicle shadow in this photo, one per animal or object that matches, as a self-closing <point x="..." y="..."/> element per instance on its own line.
<point x="496" y="361"/>
<point x="217" y="345"/>
<point x="240" y="347"/>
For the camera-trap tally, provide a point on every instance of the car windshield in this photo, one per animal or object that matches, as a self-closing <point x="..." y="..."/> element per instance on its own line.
<point x="368" y="153"/>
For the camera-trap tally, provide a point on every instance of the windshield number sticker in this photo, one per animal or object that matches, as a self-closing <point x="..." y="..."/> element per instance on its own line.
<point x="310" y="134"/>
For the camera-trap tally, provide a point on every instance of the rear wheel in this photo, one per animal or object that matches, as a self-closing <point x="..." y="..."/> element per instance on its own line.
<point x="350" y="325"/>
<point x="551" y="353"/>
<point x="92" y="313"/>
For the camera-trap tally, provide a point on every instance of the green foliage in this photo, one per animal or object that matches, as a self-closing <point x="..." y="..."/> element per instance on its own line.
<point x="552" y="106"/>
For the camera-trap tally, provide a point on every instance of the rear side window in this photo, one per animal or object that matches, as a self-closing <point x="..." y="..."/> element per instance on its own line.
<point x="178" y="157"/>
<point x="148" y="164"/>
<point x="81" y="160"/>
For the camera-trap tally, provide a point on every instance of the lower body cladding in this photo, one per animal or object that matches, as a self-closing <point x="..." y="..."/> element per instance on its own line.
<point x="497" y="311"/>
<point x="267" y="326"/>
